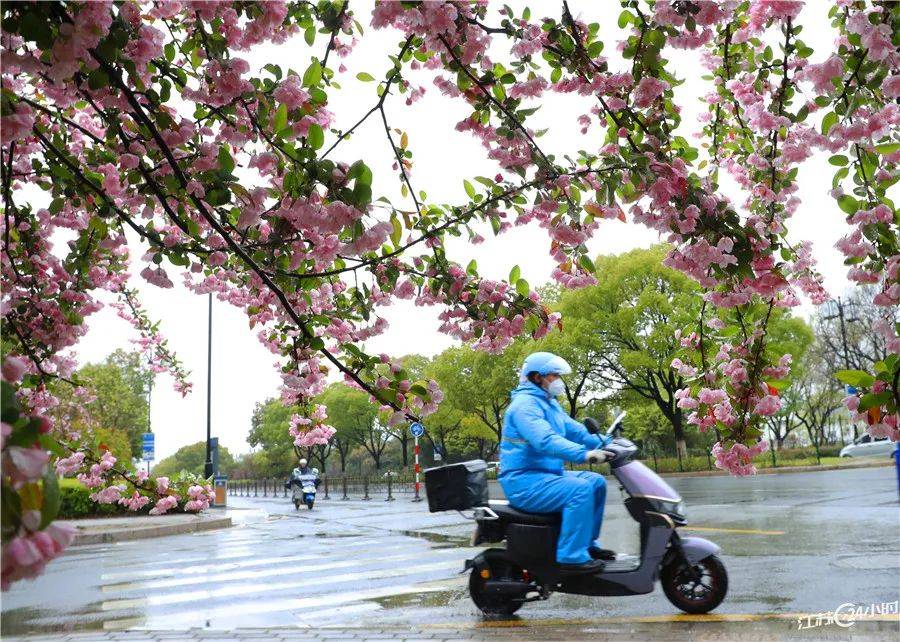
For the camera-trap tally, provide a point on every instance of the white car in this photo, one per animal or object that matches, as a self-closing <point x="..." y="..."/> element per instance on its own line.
<point x="865" y="446"/>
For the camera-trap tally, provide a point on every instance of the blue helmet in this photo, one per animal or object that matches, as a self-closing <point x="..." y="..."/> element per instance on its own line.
<point x="544" y="363"/>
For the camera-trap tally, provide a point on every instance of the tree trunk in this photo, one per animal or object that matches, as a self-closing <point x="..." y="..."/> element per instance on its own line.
<point x="680" y="443"/>
<point x="404" y="442"/>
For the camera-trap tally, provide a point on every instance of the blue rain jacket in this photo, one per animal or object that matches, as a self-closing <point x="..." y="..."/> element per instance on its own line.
<point x="538" y="435"/>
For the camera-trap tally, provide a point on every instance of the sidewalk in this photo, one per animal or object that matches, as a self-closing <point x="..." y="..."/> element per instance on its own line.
<point x="876" y="463"/>
<point x="693" y="629"/>
<point x="120" y="529"/>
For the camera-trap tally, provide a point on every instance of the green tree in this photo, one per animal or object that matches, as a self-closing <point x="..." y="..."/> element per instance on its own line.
<point x="269" y="431"/>
<point x="192" y="459"/>
<point x="623" y="329"/>
<point x="621" y="334"/>
<point x="117" y="402"/>
<point x="478" y="384"/>
<point x="354" y="419"/>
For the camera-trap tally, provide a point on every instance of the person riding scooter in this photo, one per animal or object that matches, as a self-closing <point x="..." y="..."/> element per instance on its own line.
<point x="538" y="436"/>
<point x="303" y="469"/>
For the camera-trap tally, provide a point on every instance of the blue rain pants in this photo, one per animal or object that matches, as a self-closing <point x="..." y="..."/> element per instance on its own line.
<point x="538" y="436"/>
<point x="580" y="497"/>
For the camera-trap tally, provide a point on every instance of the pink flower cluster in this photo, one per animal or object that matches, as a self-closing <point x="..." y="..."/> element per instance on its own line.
<point x="311" y="430"/>
<point x="199" y="498"/>
<point x="25" y="556"/>
<point x="737" y="459"/>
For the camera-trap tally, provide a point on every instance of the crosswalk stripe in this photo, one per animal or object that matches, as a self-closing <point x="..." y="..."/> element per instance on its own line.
<point x="212" y="559"/>
<point x="229" y="572"/>
<point x="177" y="620"/>
<point x="308" y="579"/>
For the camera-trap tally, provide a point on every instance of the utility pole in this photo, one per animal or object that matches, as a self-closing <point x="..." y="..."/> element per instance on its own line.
<point x="840" y="317"/>
<point x="149" y="408"/>
<point x="208" y="468"/>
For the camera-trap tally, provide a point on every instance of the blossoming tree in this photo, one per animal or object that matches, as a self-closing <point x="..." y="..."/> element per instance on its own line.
<point x="144" y="128"/>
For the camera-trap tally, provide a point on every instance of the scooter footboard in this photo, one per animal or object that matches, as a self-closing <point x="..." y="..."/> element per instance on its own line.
<point x="697" y="548"/>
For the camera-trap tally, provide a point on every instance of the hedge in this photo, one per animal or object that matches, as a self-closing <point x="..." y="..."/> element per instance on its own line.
<point x="76" y="502"/>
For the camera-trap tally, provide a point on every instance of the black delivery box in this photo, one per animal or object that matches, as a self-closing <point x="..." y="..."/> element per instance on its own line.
<point x="457" y="486"/>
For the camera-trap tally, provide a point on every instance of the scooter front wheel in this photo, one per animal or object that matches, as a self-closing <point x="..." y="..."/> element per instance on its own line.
<point x="697" y="589"/>
<point x="493" y="604"/>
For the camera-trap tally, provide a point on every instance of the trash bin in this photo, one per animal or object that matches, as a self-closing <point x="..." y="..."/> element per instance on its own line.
<point x="220" y="484"/>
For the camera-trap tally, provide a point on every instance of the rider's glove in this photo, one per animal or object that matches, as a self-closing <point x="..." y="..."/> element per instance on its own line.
<point x="596" y="456"/>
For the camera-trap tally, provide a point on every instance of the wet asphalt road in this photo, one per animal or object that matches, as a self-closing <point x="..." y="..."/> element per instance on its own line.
<point x="793" y="543"/>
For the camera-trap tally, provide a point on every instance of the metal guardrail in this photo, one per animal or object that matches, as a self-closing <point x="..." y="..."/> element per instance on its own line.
<point x="366" y="487"/>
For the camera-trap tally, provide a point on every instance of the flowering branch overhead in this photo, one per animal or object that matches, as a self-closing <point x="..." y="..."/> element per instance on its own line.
<point x="141" y="126"/>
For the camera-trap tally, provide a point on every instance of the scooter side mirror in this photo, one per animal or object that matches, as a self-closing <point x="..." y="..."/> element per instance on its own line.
<point x="617" y="427"/>
<point x="592" y="425"/>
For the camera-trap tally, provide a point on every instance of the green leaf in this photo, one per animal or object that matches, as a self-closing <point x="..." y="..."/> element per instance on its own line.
<point x="838" y="159"/>
<point x="585" y="262"/>
<point x="522" y="287"/>
<point x="470" y="189"/>
<point x="625" y="19"/>
<point x="98" y="79"/>
<point x="829" y="121"/>
<point x="874" y="399"/>
<point x="226" y="162"/>
<point x="472" y="267"/>
<point x="365" y="77"/>
<point x="515" y="274"/>
<point x="169" y="51"/>
<point x="50" y="508"/>
<point x="280" y="121"/>
<point x="855" y="378"/>
<point x="848" y="204"/>
<point x="313" y="74"/>
<point x="309" y="35"/>
<point x="396" y="232"/>
<point x="887" y="148"/>
<point x="315" y="137"/>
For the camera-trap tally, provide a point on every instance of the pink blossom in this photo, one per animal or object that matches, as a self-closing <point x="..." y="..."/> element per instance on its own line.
<point x="768" y="405"/>
<point x="648" y="90"/>
<point x="13" y="369"/>
<point x="164" y="504"/>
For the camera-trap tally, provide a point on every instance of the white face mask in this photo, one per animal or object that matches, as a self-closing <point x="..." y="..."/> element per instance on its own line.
<point x="556" y="387"/>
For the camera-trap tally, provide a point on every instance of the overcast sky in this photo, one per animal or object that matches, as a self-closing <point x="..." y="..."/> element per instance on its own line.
<point x="243" y="372"/>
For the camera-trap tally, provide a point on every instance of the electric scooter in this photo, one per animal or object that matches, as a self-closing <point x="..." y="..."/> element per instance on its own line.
<point x="689" y="569"/>
<point x="303" y="489"/>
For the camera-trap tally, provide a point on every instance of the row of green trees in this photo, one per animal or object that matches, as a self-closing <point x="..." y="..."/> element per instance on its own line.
<point x="619" y="336"/>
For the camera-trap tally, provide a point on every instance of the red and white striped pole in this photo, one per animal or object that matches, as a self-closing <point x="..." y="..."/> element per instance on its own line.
<point x="418" y="470"/>
<point x="417" y="431"/>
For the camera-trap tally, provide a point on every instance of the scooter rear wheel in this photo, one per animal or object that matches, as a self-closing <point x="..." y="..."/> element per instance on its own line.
<point x="699" y="591"/>
<point x="493" y="605"/>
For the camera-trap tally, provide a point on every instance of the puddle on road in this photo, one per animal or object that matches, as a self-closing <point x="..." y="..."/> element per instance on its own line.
<point x="438" y="538"/>
<point x="28" y="621"/>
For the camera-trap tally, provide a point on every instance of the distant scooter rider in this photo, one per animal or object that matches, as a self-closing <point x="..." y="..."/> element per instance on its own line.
<point x="303" y="469"/>
<point x="538" y="436"/>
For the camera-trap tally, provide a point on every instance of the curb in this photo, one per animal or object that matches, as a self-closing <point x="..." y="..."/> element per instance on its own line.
<point x="128" y="534"/>
<point x="781" y="469"/>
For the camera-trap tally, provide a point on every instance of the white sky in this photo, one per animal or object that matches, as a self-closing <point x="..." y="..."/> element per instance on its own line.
<point x="244" y="372"/>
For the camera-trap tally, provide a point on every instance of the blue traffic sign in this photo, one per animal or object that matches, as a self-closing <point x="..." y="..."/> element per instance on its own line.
<point x="148" y="442"/>
<point x="417" y="429"/>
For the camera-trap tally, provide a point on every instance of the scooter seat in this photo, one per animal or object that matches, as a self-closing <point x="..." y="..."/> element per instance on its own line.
<point x="509" y="514"/>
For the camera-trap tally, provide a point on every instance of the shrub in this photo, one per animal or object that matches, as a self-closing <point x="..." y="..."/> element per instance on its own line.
<point x="75" y="502"/>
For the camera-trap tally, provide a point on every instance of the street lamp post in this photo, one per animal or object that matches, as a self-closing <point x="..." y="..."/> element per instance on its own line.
<point x="208" y="468"/>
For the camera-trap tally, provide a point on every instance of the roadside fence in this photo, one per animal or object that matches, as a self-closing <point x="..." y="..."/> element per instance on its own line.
<point x="366" y="487"/>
